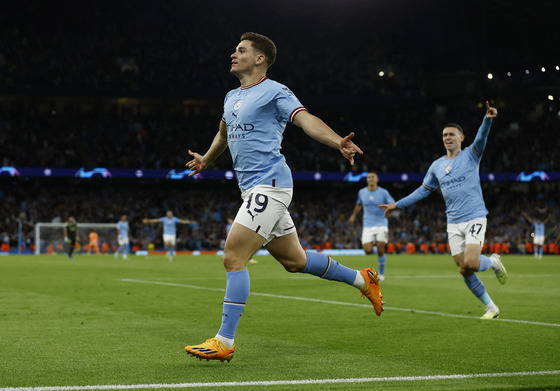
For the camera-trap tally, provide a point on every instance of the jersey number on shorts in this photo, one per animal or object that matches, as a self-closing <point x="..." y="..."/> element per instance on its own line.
<point x="475" y="231"/>
<point x="261" y="201"/>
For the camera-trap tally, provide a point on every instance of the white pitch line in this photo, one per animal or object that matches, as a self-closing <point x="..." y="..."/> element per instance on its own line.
<point x="280" y="382"/>
<point x="457" y="275"/>
<point x="340" y="303"/>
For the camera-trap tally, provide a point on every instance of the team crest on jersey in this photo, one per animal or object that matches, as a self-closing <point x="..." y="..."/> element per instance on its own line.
<point x="447" y="169"/>
<point x="238" y="104"/>
<point x="371" y="198"/>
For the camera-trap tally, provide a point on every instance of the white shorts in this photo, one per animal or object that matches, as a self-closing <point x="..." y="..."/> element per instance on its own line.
<point x="375" y="234"/>
<point x="538" y="240"/>
<point x="265" y="211"/>
<point x="171" y="239"/>
<point x="122" y="241"/>
<point x="469" y="232"/>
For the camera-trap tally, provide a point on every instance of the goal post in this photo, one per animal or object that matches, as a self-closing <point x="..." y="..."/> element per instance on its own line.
<point x="49" y="238"/>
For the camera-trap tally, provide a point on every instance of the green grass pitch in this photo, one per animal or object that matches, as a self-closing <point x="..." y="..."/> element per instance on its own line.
<point x="113" y="324"/>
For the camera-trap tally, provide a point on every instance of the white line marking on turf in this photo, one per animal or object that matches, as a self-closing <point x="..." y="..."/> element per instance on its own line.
<point x="339" y="303"/>
<point x="457" y="275"/>
<point x="281" y="382"/>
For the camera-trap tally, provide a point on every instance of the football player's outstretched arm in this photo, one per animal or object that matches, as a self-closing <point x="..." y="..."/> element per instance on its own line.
<point x="199" y="163"/>
<point x="315" y="128"/>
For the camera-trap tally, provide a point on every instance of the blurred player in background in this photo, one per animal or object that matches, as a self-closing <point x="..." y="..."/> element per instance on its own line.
<point x="70" y="235"/>
<point x="538" y="238"/>
<point x="122" y="239"/>
<point x="93" y="242"/>
<point x="456" y="174"/>
<point x="169" y="231"/>
<point x="253" y="122"/>
<point x="375" y="226"/>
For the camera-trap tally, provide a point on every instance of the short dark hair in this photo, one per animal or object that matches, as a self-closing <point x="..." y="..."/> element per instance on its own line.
<point x="454" y="125"/>
<point x="263" y="45"/>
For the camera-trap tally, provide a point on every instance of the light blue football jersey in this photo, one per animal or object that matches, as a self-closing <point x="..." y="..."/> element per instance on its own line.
<point x="123" y="229"/>
<point x="256" y="117"/>
<point x="539" y="228"/>
<point x="458" y="180"/>
<point x="169" y="225"/>
<point x="370" y="200"/>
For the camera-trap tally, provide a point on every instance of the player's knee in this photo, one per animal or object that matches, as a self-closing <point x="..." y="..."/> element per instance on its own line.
<point x="467" y="268"/>
<point x="292" y="266"/>
<point x="368" y="249"/>
<point x="232" y="262"/>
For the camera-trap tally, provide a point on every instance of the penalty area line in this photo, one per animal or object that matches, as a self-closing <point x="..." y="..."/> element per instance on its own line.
<point x="340" y="303"/>
<point x="281" y="382"/>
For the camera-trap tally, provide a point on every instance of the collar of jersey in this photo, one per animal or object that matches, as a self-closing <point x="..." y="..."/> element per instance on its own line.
<point x="254" y="84"/>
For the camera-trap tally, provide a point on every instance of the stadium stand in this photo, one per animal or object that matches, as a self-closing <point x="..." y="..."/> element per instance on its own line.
<point x="134" y="84"/>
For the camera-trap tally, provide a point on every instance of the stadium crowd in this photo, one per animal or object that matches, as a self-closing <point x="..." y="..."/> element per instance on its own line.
<point x="88" y="51"/>
<point x="78" y="82"/>
<point x="321" y="225"/>
<point x="71" y="139"/>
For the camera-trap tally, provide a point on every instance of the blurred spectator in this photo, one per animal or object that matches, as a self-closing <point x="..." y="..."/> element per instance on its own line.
<point x="98" y="201"/>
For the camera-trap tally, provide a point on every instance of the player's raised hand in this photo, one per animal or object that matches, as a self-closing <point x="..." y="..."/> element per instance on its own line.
<point x="349" y="149"/>
<point x="491" y="112"/>
<point x="197" y="164"/>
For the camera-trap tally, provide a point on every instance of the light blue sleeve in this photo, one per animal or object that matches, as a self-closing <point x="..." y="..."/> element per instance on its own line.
<point x="417" y="195"/>
<point x="479" y="143"/>
<point x="287" y="103"/>
<point x="429" y="184"/>
<point x="389" y="197"/>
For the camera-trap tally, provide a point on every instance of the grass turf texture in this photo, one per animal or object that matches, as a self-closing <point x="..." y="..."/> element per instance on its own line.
<point x="95" y="320"/>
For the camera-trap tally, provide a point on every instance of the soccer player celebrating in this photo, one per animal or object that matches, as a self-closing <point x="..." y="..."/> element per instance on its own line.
<point x="456" y="174"/>
<point x="253" y="122"/>
<point x="375" y="226"/>
<point x="539" y="234"/>
<point x="169" y="231"/>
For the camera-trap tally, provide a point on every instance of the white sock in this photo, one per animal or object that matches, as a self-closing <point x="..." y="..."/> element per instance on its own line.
<point x="226" y="341"/>
<point x="359" y="282"/>
<point x="492" y="307"/>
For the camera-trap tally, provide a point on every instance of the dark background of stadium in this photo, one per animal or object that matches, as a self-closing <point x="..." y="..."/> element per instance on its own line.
<point x="133" y="84"/>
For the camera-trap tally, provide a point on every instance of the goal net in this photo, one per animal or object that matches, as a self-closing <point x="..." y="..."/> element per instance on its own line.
<point x="49" y="238"/>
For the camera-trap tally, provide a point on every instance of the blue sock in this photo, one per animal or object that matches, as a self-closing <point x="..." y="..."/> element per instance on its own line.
<point x="477" y="288"/>
<point x="323" y="266"/>
<point x="237" y="292"/>
<point x="382" y="260"/>
<point x="485" y="263"/>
